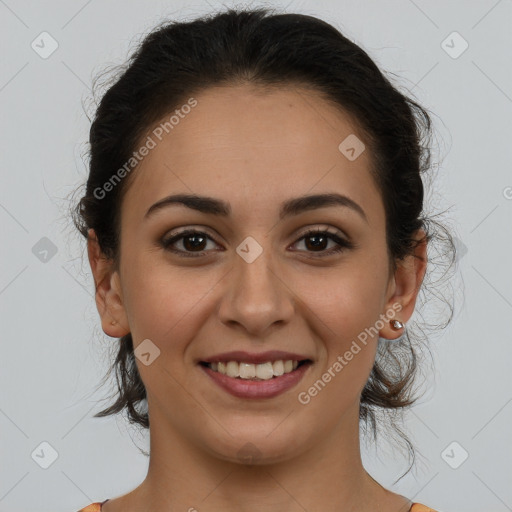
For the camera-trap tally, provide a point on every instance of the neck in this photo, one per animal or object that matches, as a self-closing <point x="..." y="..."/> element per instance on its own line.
<point x="327" y="476"/>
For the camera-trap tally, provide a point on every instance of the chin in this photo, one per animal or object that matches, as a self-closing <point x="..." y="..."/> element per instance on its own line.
<point x="255" y="447"/>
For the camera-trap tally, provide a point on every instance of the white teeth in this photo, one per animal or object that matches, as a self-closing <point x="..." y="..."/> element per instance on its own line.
<point x="247" y="371"/>
<point x="232" y="369"/>
<point x="278" y="367"/>
<point x="263" y="371"/>
<point x="288" y="366"/>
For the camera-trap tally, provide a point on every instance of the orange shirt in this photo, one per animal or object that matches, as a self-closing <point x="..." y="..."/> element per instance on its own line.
<point x="416" y="507"/>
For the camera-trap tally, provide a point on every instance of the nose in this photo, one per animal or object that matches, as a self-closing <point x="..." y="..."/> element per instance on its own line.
<point x="257" y="297"/>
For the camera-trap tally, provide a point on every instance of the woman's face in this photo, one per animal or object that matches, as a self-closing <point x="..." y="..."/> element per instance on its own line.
<point x="249" y="281"/>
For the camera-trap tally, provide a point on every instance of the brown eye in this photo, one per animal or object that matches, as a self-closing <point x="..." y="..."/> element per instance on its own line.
<point x="193" y="241"/>
<point x="316" y="240"/>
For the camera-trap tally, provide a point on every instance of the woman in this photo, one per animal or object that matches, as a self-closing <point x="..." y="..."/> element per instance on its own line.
<point x="253" y="219"/>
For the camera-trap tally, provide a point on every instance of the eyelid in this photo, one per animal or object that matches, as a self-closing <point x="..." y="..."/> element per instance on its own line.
<point x="323" y="229"/>
<point x="192" y="229"/>
<point x="307" y="230"/>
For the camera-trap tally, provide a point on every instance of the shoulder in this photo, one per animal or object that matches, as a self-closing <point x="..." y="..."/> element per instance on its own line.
<point x="417" y="507"/>
<point x="96" y="507"/>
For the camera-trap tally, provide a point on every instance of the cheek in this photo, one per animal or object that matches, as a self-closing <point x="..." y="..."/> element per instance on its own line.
<point x="343" y="312"/>
<point x="349" y="340"/>
<point x="163" y="302"/>
<point x="166" y="306"/>
<point x="347" y="299"/>
<point x="343" y="320"/>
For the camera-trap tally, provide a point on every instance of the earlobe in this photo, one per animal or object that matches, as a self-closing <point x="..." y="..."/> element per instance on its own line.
<point x="108" y="293"/>
<point x="407" y="282"/>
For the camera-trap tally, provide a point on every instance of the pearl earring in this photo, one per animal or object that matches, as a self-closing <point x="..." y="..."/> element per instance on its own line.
<point x="396" y="325"/>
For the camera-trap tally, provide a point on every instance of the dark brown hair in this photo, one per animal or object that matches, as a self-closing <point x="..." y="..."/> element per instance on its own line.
<point x="179" y="59"/>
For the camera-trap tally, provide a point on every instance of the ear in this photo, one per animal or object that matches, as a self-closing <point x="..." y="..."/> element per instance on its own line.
<point x="404" y="286"/>
<point x="109" y="299"/>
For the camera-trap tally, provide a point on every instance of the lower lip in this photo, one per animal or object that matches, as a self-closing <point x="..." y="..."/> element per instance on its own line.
<point x="243" y="388"/>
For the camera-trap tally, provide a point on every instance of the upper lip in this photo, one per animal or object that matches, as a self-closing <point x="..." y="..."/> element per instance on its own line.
<point x="254" y="358"/>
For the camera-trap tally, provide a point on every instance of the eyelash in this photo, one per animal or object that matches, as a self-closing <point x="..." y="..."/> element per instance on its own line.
<point x="342" y="243"/>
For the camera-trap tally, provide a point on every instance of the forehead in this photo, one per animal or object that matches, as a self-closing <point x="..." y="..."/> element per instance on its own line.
<point x="254" y="147"/>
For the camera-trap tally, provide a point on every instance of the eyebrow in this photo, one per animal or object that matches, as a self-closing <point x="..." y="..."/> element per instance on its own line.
<point x="212" y="206"/>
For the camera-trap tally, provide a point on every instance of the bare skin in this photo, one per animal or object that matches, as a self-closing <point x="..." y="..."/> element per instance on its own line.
<point x="254" y="150"/>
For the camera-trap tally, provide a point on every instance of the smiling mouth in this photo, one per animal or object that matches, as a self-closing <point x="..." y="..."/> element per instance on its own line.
<point x="255" y="372"/>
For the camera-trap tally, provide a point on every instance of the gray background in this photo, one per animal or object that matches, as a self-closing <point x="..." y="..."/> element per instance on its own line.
<point x="53" y="350"/>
